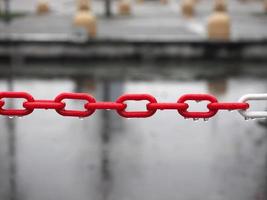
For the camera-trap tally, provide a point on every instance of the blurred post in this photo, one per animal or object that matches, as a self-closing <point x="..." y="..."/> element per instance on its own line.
<point x="86" y="20"/>
<point x="163" y="1"/>
<point x="108" y="8"/>
<point x="217" y="87"/>
<point x="42" y="7"/>
<point x="188" y="8"/>
<point x="219" y="26"/>
<point x="124" y="7"/>
<point x="220" y="5"/>
<point x="84" y="5"/>
<point x="7" y="11"/>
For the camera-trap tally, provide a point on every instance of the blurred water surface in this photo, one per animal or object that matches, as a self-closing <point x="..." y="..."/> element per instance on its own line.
<point x="109" y="157"/>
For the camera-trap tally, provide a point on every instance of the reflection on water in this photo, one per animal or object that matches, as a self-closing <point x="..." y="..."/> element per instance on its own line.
<point x="162" y="157"/>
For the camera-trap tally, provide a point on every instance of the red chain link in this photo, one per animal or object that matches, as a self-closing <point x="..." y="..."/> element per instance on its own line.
<point x="197" y="97"/>
<point x="228" y="106"/>
<point x="120" y="105"/>
<point x="44" y="104"/>
<point x="167" y="106"/>
<point x="1" y="103"/>
<point x="17" y="95"/>
<point x="75" y="113"/>
<point x="106" y="105"/>
<point x="136" y="97"/>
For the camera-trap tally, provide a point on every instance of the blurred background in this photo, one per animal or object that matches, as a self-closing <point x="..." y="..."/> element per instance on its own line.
<point x="165" y="48"/>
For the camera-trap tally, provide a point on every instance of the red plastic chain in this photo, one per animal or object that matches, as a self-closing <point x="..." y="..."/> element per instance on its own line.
<point x="136" y="97"/>
<point x="120" y="105"/>
<point x="15" y="95"/>
<point x="167" y="106"/>
<point x="105" y="105"/>
<point x="75" y="96"/>
<point x="197" y="97"/>
<point x="44" y="104"/>
<point x="2" y="103"/>
<point x="228" y="106"/>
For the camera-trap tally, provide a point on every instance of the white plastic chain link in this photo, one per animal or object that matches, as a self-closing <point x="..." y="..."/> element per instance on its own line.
<point x="253" y="114"/>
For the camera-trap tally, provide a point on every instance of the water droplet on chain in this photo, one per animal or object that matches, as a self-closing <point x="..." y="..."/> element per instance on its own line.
<point x="195" y="119"/>
<point x="186" y="118"/>
<point x="205" y="119"/>
<point x="247" y="118"/>
<point x="230" y="110"/>
<point x="81" y="118"/>
<point x="10" y="117"/>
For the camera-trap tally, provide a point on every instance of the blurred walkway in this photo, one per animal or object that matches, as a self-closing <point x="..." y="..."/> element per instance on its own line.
<point x="150" y="20"/>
